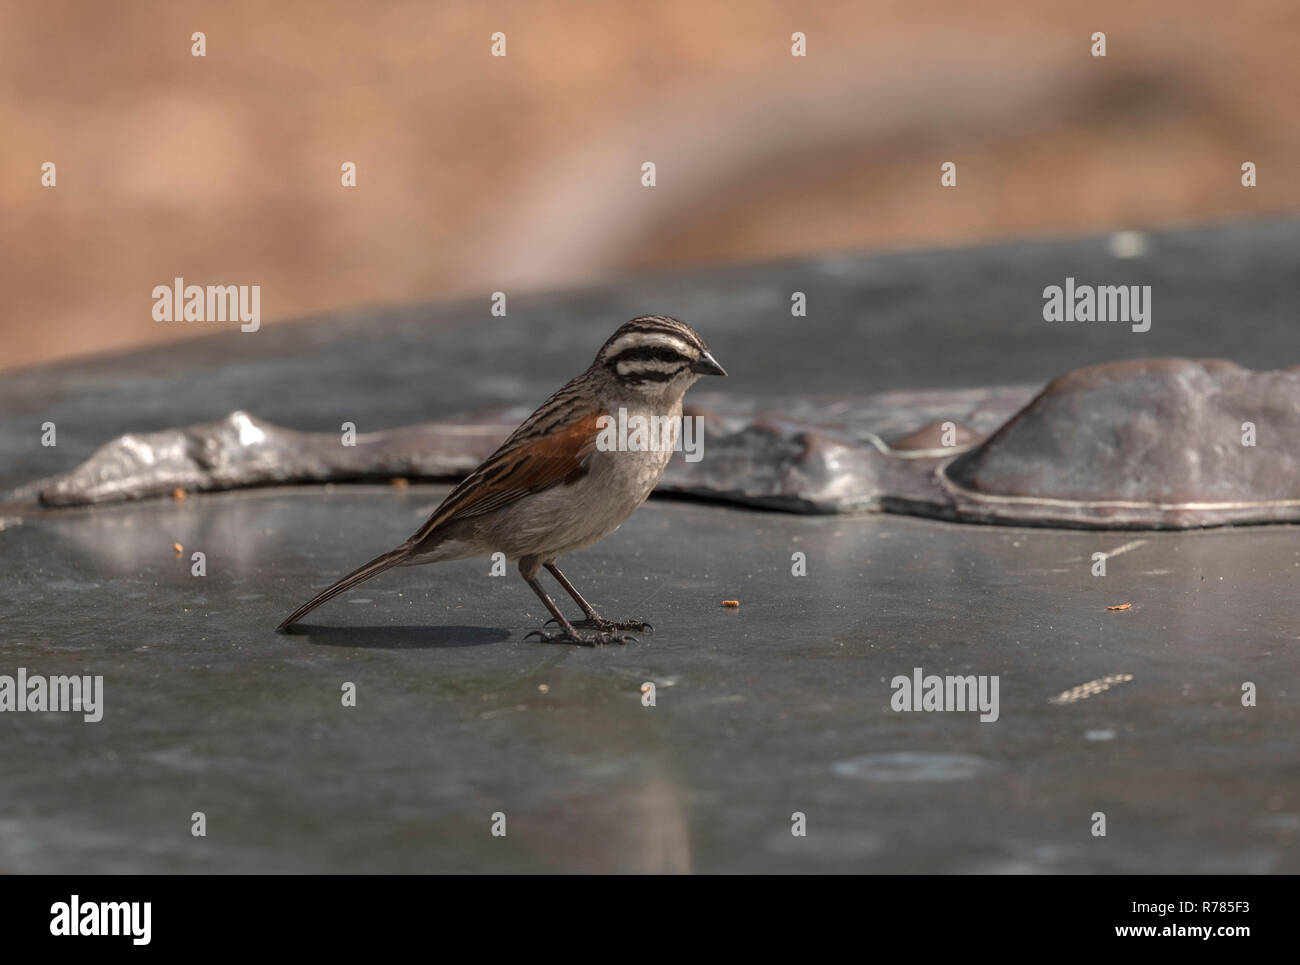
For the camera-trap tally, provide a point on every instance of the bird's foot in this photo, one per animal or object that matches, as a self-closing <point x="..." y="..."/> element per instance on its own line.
<point x="598" y="639"/>
<point x="608" y="626"/>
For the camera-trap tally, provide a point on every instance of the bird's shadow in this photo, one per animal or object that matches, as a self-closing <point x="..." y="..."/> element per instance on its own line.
<point x="398" y="638"/>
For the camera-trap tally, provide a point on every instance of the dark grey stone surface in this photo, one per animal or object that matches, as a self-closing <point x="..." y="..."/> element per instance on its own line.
<point x="779" y="706"/>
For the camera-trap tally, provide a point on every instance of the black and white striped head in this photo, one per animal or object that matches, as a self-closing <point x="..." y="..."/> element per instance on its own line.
<point x="657" y="355"/>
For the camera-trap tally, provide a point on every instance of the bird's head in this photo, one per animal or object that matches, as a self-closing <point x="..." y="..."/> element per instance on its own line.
<point x="657" y="357"/>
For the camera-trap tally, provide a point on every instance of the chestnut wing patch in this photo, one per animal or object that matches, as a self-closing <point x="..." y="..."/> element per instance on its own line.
<point x="513" y="472"/>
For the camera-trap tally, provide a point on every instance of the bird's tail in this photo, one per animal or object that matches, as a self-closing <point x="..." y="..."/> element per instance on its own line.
<point x="360" y="575"/>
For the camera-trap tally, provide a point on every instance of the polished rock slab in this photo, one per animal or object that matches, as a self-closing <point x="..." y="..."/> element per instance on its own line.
<point x="781" y="705"/>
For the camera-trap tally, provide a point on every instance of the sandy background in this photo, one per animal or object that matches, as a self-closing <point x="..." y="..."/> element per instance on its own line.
<point x="478" y="173"/>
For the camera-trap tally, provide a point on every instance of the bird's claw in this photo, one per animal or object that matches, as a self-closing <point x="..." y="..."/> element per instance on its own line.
<point x="598" y="639"/>
<point x="607" y="626"/>
<point x="640" y="626"/>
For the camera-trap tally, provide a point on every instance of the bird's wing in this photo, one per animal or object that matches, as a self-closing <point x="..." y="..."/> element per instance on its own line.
<point x="521" y="466"/>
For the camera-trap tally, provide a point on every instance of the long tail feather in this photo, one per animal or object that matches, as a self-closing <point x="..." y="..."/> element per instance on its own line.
<point x="360" y="575"/>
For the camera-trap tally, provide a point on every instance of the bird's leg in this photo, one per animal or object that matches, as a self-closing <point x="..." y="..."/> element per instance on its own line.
<point x="567" y="633"/>
<point x="594" y="620"/>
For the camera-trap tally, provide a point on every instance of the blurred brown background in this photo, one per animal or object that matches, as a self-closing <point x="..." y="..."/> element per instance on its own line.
<point x="478" y="173"/>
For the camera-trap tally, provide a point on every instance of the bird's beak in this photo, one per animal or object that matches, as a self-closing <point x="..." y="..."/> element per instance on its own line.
<point x="708" y="365"/>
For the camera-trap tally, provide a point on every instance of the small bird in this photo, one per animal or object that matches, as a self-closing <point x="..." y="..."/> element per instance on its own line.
<point x="550" y="489"/>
